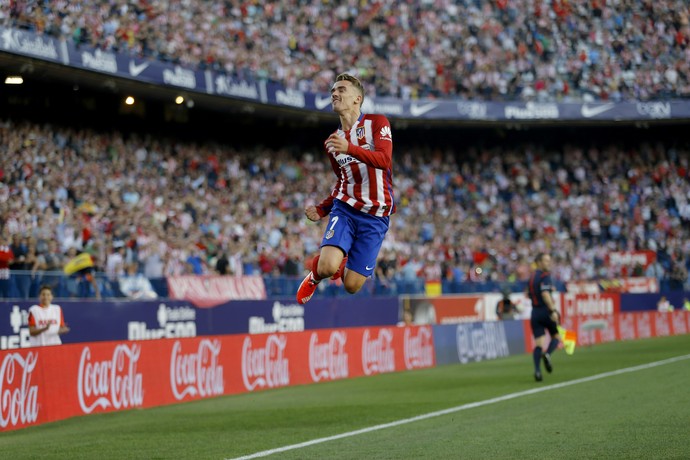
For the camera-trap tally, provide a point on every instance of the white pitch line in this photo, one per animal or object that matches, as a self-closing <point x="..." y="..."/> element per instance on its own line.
<point x="452" y="410"/>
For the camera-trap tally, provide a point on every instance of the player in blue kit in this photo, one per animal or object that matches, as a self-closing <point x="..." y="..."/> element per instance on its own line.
<point x="545" y="317"/>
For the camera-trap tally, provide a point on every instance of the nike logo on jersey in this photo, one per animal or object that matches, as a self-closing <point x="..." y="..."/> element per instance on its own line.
<point x="419" y="110"/>
<point x="135" y="70"/>
<point x="589" y="112"/>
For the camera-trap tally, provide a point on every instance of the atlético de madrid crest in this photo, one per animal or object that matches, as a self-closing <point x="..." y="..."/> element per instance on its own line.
<point x="360" y="132"/>
<point x="329" y="234"/>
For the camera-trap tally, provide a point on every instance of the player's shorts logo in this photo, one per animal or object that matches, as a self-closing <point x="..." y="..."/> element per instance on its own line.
<point x="329" y="234"/>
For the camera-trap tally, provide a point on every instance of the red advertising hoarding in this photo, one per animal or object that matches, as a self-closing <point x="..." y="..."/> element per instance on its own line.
<point x="39" y="385"/>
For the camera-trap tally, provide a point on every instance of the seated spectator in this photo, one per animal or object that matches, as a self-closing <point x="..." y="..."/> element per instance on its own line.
<point x="135" y="285"/>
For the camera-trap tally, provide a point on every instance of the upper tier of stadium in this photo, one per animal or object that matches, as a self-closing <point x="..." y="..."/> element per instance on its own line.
<point x="556" y="50"/>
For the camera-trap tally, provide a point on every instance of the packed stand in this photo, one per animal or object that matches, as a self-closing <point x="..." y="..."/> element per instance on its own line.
<point x="555" y="50"/>
<point x="158" y="207"/>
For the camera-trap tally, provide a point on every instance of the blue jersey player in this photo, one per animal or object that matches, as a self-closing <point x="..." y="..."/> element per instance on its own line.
<point x="544" y="314"/>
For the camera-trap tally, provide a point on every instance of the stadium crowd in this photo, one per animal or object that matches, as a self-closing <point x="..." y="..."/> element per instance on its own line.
<point x="163" y="207"/>
<point x="556" y="50"/>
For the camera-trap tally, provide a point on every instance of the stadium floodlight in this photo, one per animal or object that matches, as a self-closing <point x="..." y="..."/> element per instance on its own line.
<point x="13" y="80"/>
<point x="179" y="100"/>
<point x="129" y="100"/>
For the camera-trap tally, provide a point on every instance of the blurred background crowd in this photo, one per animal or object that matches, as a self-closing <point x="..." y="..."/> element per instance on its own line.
<point x="556" y="50"/>
<point x="154" y="206"/>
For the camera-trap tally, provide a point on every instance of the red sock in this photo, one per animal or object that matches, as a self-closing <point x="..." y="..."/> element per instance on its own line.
<point x="341" y="269"/>
<point x="314" y="268"/>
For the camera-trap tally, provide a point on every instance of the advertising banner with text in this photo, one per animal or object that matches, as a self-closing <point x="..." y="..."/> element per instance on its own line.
<point x="39" y="385"/>
<point x="147" y="320"/>
<point x="473" y="342"/>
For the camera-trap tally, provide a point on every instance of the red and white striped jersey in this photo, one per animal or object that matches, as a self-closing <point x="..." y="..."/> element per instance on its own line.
<point x="365" y="171"/>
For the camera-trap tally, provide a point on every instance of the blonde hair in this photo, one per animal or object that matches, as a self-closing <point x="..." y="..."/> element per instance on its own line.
<point x="355" y="82"/>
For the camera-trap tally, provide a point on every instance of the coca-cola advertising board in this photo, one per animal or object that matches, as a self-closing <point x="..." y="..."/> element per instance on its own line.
<point x="39" y="385"/>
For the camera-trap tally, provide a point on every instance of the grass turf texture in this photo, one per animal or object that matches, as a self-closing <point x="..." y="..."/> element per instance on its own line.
<point x="642" y="414"/>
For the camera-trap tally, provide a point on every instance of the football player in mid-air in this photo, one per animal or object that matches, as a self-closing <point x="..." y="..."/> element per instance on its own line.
<point x="360" y="205"/>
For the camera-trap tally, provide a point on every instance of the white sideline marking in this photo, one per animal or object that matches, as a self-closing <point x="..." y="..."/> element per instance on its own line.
<point x="451" y="410"/>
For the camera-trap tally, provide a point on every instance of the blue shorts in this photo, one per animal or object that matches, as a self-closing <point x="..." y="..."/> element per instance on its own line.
<point x="359" y="235"/>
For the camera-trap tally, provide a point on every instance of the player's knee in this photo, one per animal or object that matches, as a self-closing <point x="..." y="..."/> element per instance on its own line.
<point x="327" y="268"/>
<point x="352" y="287"/>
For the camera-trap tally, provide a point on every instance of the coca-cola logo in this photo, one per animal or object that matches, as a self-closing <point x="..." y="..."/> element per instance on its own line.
<point x="197" y="373"/>
<point x="378" y="355"/>
<point x="113" y="382"/>
<point x="18" y="398"/>
<point x="266" y="366"/>
<point x="419" y="348"/>
<point x="328" y="360"/>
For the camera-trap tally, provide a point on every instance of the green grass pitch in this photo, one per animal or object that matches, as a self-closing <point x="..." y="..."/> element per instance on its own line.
<point x="641" y="414"/>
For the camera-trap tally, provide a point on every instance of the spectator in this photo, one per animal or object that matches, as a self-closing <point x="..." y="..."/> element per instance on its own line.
<point x="505" y="308"/>
<point x="451" y="187"/>
<point x="135" y="285"/>
<point x="6" y="258"/>
<point x="655" y="270"/>
<point x="20" y="266"/>
<point x="663" y="305"/>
